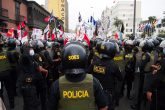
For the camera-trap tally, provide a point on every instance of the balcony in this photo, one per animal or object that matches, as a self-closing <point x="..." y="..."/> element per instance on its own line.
<point x="4" y="14"/>
<point x="19" y="18"/>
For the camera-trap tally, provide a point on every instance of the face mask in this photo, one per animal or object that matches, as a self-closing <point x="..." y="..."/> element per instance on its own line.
<point x="31" y="52"/>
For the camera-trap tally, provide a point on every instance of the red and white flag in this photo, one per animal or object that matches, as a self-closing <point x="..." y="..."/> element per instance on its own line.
<point x="19" y="32"/>
<point x="53" y="37"/>
<point x="24" y="37"/>
<point x="66" y="40"/>
<point x="10" y="33"/>
<point x="86" y="39"/>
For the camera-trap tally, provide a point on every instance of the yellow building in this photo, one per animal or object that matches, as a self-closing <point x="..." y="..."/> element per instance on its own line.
<point x="60" y="10"/>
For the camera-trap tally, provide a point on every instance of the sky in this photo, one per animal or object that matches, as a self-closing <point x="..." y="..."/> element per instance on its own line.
<point x="89" y="8"/>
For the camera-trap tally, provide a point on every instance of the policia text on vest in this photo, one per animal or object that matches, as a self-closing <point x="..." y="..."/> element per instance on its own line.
<point x="76" y="94"/>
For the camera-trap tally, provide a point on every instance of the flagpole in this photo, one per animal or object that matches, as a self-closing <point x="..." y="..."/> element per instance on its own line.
<point x="55" y="26"/>
<point x="92" y="12"/>
<point x="134" y="20"/>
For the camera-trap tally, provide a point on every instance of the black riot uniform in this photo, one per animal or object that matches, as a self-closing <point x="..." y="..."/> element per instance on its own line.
<point x="42" y="62"/>
<point x="146" y="77"/>
<point x="106" y="70"/>
<point x="5" y="77"/>
<point x="76" y="90"/>
<point x="13" y="57"/>
<point x="56" y="59"/>
<point x="130" y="62"/>
<point x="48" y="64"/>
<point x="157" y="88"/>
<point x="28" y="83"/>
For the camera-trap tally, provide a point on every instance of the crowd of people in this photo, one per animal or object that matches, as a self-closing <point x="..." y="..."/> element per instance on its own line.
<point x="51" y="75"/>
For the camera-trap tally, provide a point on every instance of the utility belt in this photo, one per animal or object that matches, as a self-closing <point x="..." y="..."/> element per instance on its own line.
<point x="27" y="84"/>
<point x="28" y="80"/>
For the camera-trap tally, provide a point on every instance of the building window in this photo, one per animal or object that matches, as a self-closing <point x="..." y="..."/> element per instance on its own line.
<point x="17" y="10"/>
<point x="123" y="15"/>
<point x="131" y="5"/>
<point x="126" y="24"/>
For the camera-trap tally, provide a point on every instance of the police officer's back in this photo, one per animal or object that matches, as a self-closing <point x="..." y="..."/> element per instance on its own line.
<point x="105" y="69"/>
<point x="76" y="90"/>
<point x="156" y="91"/>
<point x="13" y="57"/>
<point x="5" y="78"/>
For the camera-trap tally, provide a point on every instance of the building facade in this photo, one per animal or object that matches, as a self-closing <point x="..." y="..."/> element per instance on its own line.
<point x="36" y="15"/>
<point x="105" y="19"/>
<point x="124" y="10"/>
<point x="60" y="10"/>
<point x="12" y="12"/>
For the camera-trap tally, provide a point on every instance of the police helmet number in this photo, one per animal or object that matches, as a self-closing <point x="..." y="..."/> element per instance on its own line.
<point x="73" y="57"/>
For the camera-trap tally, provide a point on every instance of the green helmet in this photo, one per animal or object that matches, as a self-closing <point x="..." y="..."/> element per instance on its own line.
<point x="74" y="58"/>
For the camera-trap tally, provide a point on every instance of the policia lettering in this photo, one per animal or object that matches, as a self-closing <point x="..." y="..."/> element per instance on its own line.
<point x="75" y="94"/>
<point x="99" y="69"/>
<point x="4" y="63"/>
<point x="3" y="57"/>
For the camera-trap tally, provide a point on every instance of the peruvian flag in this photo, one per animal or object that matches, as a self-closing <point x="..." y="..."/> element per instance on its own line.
<point x="50" y="18"/>
<point x="61" y="30"/>
<point x="25" y="34"/>
<point x="47" y="35"/>
<point x="116" y="36"/>
<point x="10" y="33"/>
<point x="24" y="37"/>
<point x="53" y="37"/>
<point x="25" y="20"/>
<point x="86" y="39"/>
<point x="47" y="19"/>
<point x="23" y="24"/>
<point x="66" y="40"/>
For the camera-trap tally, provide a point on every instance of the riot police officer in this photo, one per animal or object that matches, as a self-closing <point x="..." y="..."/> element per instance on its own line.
<point x="28" y="82"/>
<point x="56" y="49"/>
<point x="106" y="70"/>
<point x="76" y="90"/>
<point x="5" y="78"/>
<point x="42" y="62"/>
<point x="37" y="73"/>
<point x="156" y="92"/>
<point x="130" y="61"/>
<point x="13" y="57"/>
<point x="145" y="71"/>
